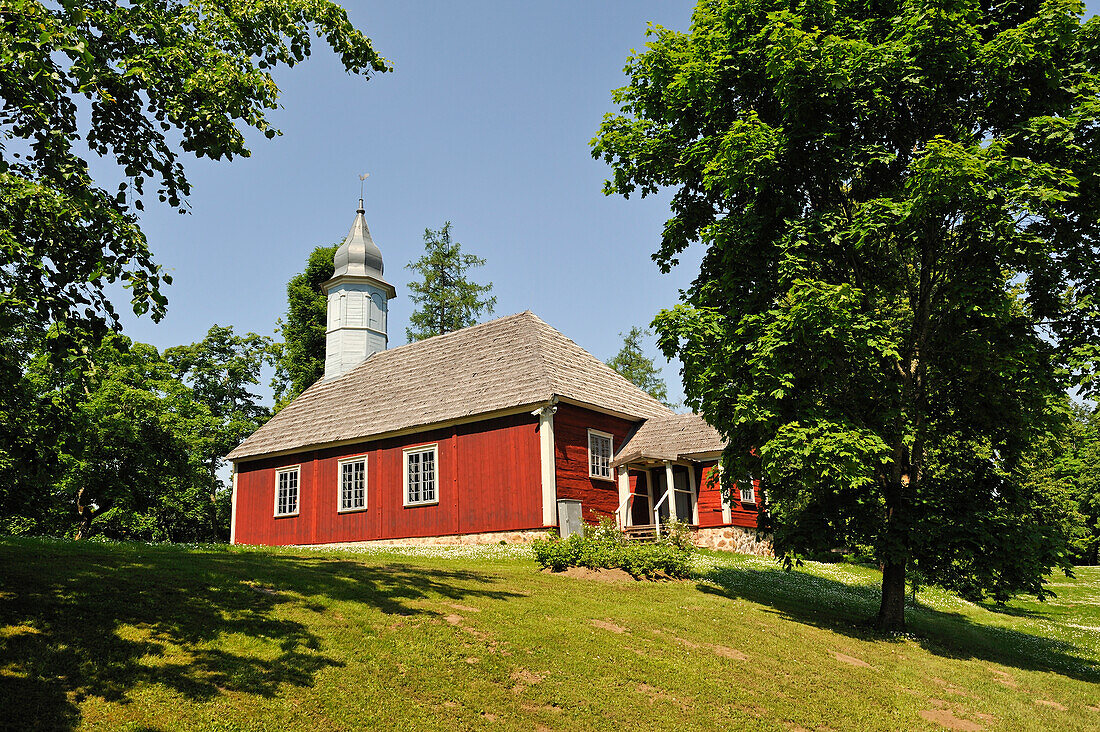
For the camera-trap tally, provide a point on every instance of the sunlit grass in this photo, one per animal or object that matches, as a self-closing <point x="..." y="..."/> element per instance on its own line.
<point x="131" y="636"/>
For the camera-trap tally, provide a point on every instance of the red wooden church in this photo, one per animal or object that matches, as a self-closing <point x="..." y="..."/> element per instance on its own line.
<point x="472" y="436"/>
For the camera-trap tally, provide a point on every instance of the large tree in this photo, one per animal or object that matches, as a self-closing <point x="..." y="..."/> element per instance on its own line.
<point x="899" y="204"/>
<point x="300" y="359"/>
<point x="135" y="82"/>
<point x="445" y="299"/>
<point x="222" y="370"/>
<point x="130" y="443"/>
<point x="638" y="368"/>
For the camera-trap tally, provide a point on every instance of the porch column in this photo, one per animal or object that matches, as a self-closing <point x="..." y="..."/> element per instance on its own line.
<point x="649" y="489"/>
<point x="549" y="472"/>
<point x="671" y="489"/>
<point x="694" y="494"/>
<point x="624" y="493"/>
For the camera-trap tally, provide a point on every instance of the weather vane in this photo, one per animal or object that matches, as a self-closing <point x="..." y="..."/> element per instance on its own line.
<point x="362" y="178"/>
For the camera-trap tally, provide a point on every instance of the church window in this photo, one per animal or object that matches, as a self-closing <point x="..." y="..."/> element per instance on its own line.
<point x="353" y="484"/>
<point x="421" y="475"/>
<point x="599" y="454"/>
<point x="286" y="491"/>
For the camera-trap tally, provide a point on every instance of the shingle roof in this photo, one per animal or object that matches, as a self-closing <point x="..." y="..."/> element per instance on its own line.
<point x="509" y="362"/>
<point x="670" y="437"/>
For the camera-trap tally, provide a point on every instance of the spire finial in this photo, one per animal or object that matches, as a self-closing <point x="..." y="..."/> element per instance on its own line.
<point x="362" y="177"/>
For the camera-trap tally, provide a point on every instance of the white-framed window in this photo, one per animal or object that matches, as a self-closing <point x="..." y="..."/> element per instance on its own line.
<point x="353" y="484"/>
<point x="599" y="455"/>
<point x="748" y="495"/>
<point x="286" y="491"/>
<point x="421" y="475"/>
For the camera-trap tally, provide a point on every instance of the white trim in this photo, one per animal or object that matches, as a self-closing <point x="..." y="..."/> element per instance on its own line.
<point x="610" y="455"/>
<point x="340" y="483"/>
<point x="670" y="488"/>
<point x="751" y="489"/>
<point x="233" y="506"/>
<point x="432" y="447"/>
<point x="297" y="469"/>
<point x="548" y="469"/>
<point x="624" y="493"/>
<point x="694" y="485"/>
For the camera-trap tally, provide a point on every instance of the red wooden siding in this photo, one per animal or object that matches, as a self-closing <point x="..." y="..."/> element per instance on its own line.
<point x="598" y="497"/>
<point x="710" y="497"/>
<point x="487" y="480"/>
<point x="710" y="502"/>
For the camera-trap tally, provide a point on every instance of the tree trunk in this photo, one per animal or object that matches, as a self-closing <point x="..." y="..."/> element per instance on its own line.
<point x="85" y="513"/>
<point x="891" y="612"/>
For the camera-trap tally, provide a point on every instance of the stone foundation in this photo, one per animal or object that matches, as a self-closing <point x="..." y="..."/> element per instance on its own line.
<point x="734" y="539"/>
<point x="491" y="537"/>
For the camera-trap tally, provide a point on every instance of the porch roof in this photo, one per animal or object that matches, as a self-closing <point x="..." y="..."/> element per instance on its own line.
<point x="671" y="437"/>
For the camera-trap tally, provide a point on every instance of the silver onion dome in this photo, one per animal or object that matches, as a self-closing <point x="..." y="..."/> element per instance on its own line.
<point x="358" y="255"/>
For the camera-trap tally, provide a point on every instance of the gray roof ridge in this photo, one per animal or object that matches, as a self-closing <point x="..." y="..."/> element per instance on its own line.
<point x="406" y="347"/>
<point x="559" y="388"/>
<point x="540" y="353"/>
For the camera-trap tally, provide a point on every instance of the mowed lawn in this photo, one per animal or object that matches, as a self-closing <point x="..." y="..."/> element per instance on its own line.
<point x="128" y="636"/>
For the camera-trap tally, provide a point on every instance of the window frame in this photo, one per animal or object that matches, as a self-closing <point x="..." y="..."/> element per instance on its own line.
<point x="432" y="447"/>
<point x="297" y="470"/>
<point x="751" y="489"/>
<point x="340" y="483"/>
<point x="610" y="455"/>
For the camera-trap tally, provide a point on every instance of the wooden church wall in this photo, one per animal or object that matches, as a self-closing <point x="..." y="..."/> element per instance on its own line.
<point x="488" y="479"/>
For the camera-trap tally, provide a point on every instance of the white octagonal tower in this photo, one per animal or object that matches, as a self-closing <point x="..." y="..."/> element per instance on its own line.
<point x="358" y="301"/>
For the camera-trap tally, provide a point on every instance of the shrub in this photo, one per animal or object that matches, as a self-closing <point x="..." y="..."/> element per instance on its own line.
<point x="604" y="547"/>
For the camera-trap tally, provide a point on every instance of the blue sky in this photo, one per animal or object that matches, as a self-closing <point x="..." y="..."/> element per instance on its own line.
<point x="485" y="121"/>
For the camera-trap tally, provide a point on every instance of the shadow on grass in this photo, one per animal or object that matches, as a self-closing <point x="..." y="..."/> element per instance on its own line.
<point x="86" y="621"/>
<point x="847" y="609"/>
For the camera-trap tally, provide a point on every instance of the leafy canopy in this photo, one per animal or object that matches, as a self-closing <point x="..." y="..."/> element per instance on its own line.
<point x="637" y="368"/>
<point x="445" y="299"/>
<point x="134" y="82"/>
<point x="899" y="204"/>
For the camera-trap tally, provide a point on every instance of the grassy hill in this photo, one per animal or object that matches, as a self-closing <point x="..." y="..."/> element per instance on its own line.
<point x="124" y="636"/>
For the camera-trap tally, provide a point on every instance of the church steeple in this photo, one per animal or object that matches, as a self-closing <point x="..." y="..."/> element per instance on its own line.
<point x="358" y="255"/>
<point x="358" y="299"/>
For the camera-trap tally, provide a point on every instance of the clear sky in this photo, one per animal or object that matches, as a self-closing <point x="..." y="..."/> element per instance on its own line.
<point x="485" y="121"/>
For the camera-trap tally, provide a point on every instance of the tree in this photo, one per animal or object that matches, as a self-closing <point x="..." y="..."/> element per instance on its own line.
<point x="221" y="370"/>
<point x="126" y="80"/>
<point x="445" y="299"/>
<point x="633" y="364"/>
<point x="136" y="83"/>
<point x="900" y="209"/>
<point x="130" y="448"/>
<point x="300" y="358"/>
<point x="1068" y="462"/>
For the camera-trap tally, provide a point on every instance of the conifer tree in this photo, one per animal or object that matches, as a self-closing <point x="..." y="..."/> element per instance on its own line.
<point x="445" y="299"/>
<point x="637" y="368"/>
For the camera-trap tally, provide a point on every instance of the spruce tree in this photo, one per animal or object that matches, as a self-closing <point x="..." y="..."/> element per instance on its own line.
<point x="445" y="299"/>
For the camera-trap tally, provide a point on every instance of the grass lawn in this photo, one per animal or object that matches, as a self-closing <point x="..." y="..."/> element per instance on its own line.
<point x="128" y="636"/>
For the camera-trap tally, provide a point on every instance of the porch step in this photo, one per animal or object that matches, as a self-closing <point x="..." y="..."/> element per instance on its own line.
<point x="644" y="532"/>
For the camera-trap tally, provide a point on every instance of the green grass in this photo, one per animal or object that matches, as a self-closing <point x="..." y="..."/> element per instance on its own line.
<point x="127" y="636"/>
